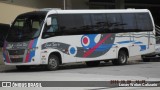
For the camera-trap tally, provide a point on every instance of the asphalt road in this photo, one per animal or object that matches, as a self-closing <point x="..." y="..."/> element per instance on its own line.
<point x="134" y="70"/>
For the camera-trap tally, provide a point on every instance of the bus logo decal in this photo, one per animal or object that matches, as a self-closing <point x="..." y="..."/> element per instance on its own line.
<point x="72" y="50"/>
<point x="90" y="51"/>
<point x="85" y="41"/>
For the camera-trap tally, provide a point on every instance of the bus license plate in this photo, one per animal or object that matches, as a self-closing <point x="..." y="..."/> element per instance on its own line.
<point x="15" y="56"/>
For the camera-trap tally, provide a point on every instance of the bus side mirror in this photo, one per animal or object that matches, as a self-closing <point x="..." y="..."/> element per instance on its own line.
<point x="49" y="21"/>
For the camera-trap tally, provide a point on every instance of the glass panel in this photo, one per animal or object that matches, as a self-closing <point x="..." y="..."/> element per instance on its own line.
<point x="25" y="27"/>
<point x="144" y="22"/>
<point x="99" y="23"/>
<point x="52" y="29"/>
<point x="115" y="23"/>
<point x="129" y="21"/>
<point x="71" y="24"/>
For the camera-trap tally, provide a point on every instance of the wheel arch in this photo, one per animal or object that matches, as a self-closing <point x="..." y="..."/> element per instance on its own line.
<point x="124" y="49"/>
<point x="58" y="55"/>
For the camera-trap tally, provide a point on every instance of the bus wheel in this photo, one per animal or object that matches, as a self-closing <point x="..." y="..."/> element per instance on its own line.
<point x="122" y="58"/>
<point x="53" y="63"/>
<point x="92" y="63"/>
<point x="23" y="68"/>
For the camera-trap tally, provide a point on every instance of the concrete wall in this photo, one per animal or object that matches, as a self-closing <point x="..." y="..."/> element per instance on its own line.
<point x="70" y="4"/>
<point x="8" y="12"/>
<point x="37" y="3"/>
<point x="79" y="4"/>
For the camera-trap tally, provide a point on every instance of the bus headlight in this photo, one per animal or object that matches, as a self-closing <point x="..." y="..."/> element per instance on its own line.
<point x="32" y="49"/>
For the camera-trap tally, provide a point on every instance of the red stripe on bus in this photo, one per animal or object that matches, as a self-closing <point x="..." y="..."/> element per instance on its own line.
<point x="90" y="51"/>
<point x="28" y="53"/>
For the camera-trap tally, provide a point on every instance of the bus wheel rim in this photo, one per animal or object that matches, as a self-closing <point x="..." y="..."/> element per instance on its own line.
<point x="123" y="58"/>
<point x="53" y="63"/>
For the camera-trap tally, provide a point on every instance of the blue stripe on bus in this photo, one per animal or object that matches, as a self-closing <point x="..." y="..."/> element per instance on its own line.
<point x="123" y="42"/>
<point x="32" y="53"/>
<point x="143" y="47"/>
<point x="137" y="42"/>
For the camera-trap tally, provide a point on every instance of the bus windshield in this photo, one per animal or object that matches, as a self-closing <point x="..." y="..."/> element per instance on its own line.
<point x="25" y="27"/>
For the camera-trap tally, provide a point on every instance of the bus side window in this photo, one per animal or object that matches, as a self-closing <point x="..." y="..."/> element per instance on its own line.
<point x="52" y="29"/>
<point x="144" y="22"/>
<point x="129" y="22"/>
<point x="99" y="23"/>
<point x="114" y="22"/>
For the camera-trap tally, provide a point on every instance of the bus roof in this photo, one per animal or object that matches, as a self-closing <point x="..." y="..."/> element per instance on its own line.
<point x="98" y="11"/>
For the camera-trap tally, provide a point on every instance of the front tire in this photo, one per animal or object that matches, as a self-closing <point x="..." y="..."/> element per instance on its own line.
<point x="122" y="58"/>
<point x="53" y="63"/>
<point x="92" y="63"/>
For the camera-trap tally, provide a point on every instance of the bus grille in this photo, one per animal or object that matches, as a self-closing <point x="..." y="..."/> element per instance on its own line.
<point x="16" y="52"/>
<point x="16" y="60"/>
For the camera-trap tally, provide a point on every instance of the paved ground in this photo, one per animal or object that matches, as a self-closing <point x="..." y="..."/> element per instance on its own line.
<point x="1" y="62"/>
<point x="149" y="71"/>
